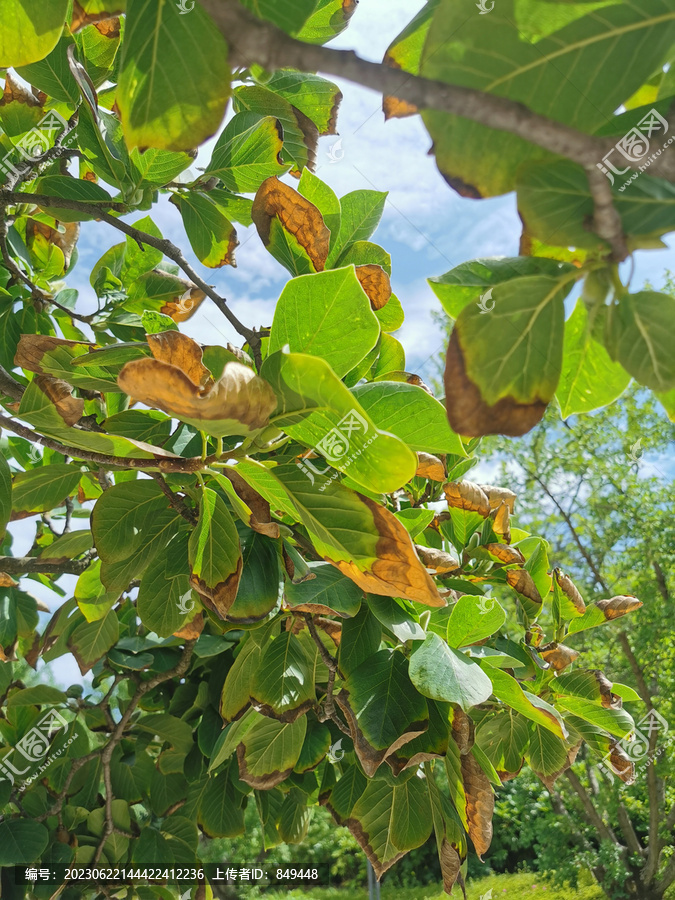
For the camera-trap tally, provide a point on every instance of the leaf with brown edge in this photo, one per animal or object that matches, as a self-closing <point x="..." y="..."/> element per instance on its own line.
<point x="470" y="415"/>
<point x="14" y="92"/>
<point x="550" y="779"/>
<point x="375" y="282"/>
<point x="7" y="580"/>
<point x="184" y="307"/>
<point x="82" y="18"/>
<point x="620" y="763"/>
<point x="523" y="584"/>
<point x="463" y="730"/>
<point x="570" y="591"/>
<point x="259" y="518"/>
<point x="501" y="522"/>
<point x="60" y="393"/>
<point x="32" y="347"/>
<point x="240" y="402"/>
<point x="290" y="227"/>
<point x="429" y="466"/>
<point x="191" y="630"/>
<point x="618" y="606"/>
<point x="269" y="751"/>
<point x="441" y="562"/>
<point x="181" y="351"/>
<point x="214" y="554"/>
<point x="480" y="803"/>
<point x="393" y="108"/>
<point x="505" y="554"/>
<point x="64" y="237"/>
<point x="467" y="495"/>
<point x="498" y="495"/>
<point x="558" y="656"/>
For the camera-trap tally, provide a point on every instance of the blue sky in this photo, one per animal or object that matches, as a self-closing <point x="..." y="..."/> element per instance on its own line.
<point x="426" y="226"/>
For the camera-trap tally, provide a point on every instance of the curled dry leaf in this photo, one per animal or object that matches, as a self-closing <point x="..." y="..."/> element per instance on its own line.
<point x="463" y="730"/>
<point x="618" y="606"/>
<point x="375" y="282"/>
<point x="441" y="562"/>
<point x="620" y="763"/>
<point x="220" y="597"/>
<point x="81" y="18"/>
<point x="501" y="522"/>
<point x="505" y="554"/>
<point x="240" y="402"/>
<point x="397" y="571"/>
<point x="7" y="581"/>
<point x="60" y="394"/>
<point x="276" y="201"/>
<point x="14" y="92"/>
<point x="499" y="495"/>
<point x="480" y="803"/>
<point x="470" y="415"/>
<point x="392" y="107"/>
<point x="522" y="583"/>
<point x="64" y="236"/>
<point x="467" y="495"/>
<point x="417" y="381"/>
<point x="558" y="655"/>
<point x="429" y="466"/>
<point x="568" y="588"/>
<point x="607" y="698"/>
<point x="330" y="627"/>
<point x="260" y="509"/>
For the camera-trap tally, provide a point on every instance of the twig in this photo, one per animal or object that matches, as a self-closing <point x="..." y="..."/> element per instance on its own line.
<point x="175" y="500"/>
<point x="34" y="565"/>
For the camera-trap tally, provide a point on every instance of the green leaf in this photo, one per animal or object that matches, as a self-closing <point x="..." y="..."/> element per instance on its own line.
<point x="509" y="691"/>
<point x="589" y="379"/>
<point x="220" y="812"/>
<point x="361" y="214"/>
<point x="21" y="841"/>
<point x="236" y="688"/>
<point x="157" y="168"/>
<point x="390" y="613"/>
<point x="52" y="74"/>
<point x="283" y="685"/>
<point x="411" y="414"/>
<point x="310" y="317"/>
<point x="547" y="754"/>
<point x="360" y="639"/>
<point x="473" y="619"/>
<point x="388" y="820"/>
<point x="316" y="745"/>
<point x="247" y="152"/>
<point x="467" y="282"/>
<point x="215" y="554"/>
<point x="442" y="673"/>
<point x="40" y="695"/>
<point x="269" y="751"/>
<point x="300" y="134"/>
<point x="259" y="588"/>
<point x="212" y="236"/>
<point x="314" y="96"/>
<point x="331" y="421"/>
<point x="165" y="597"/>
<point x="168" y="728"/>
<point x="44" y="488"/>
<point x="638" y="334"/>
<point x="289" y="15"/>
<point x="504" y="737"/>
<point x="382" y="707"/>
<point x="92" y="598"/>
<point x="70" y="189"/>
<point x="329" y="592"/>
<point x="539" y="59"/>
<point x="615" y="721"/>
<point x="30" y="31"/>
<point x="90" y="641"/>
<point x="5" y="494"/>
<point x="168" y="99"/>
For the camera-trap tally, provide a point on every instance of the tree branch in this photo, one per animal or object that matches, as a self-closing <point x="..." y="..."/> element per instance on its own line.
<point x="34" y="565"/>
<point x="591" y="814"/>
<point x="175" y="500"/>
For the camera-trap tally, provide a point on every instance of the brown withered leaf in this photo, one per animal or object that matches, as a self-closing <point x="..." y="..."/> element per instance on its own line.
<point x="501" y="522"/>
<point x="299" y="217"/>
<point x="220" y="597"/>
<point x="32" y="347"/>
<point x="522" y="583"/>
<point x="7" y="580"/>
<point x="607" y="698"/>
<point x="393" y="108"/>
<point x="499" y="495"/>
<point x="463" y="730"/>
<point x="441" y="562"/>
<point x="417" y="381"/>
<point x="568" y="588"/>
<point x="470" y="415"/>
<point x="60" y="393"/>
<point x="260" y="509"/>
<point x="191" y="630"/>
<point x="181" y="351"/>
<point x="109" y="28"/>
<point x="505" y="554"/>
<point x="330" y="627"/>
<point x="467" y="495"/>
<point x="397" y="571"/>
<point x="618" y="606"/>
<point x="480" y="803"/>
<point x="183" y="307"/>
<point x="558" y="655"/>
<point x="620" y="763"/>
<point x="429" y="466"/>
<point x="65" y="240"/>
<point x="550" y="779"/>
<point x="14" y="92"/>
<point x="375" y="282"/>
<point x="240" y="402"/>
<point x="81" y="18"/>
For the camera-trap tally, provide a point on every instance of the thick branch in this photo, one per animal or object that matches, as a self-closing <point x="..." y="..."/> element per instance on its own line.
<point x="33" y="565"/>
<point x="591" y="814"/>
<point x="606" y="220"/>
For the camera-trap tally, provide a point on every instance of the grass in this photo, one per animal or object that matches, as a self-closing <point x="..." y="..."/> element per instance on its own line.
<point x="504" y="887"/>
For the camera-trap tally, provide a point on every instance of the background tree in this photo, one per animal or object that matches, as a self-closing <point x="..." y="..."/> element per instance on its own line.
<point x="267" y="571"/>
